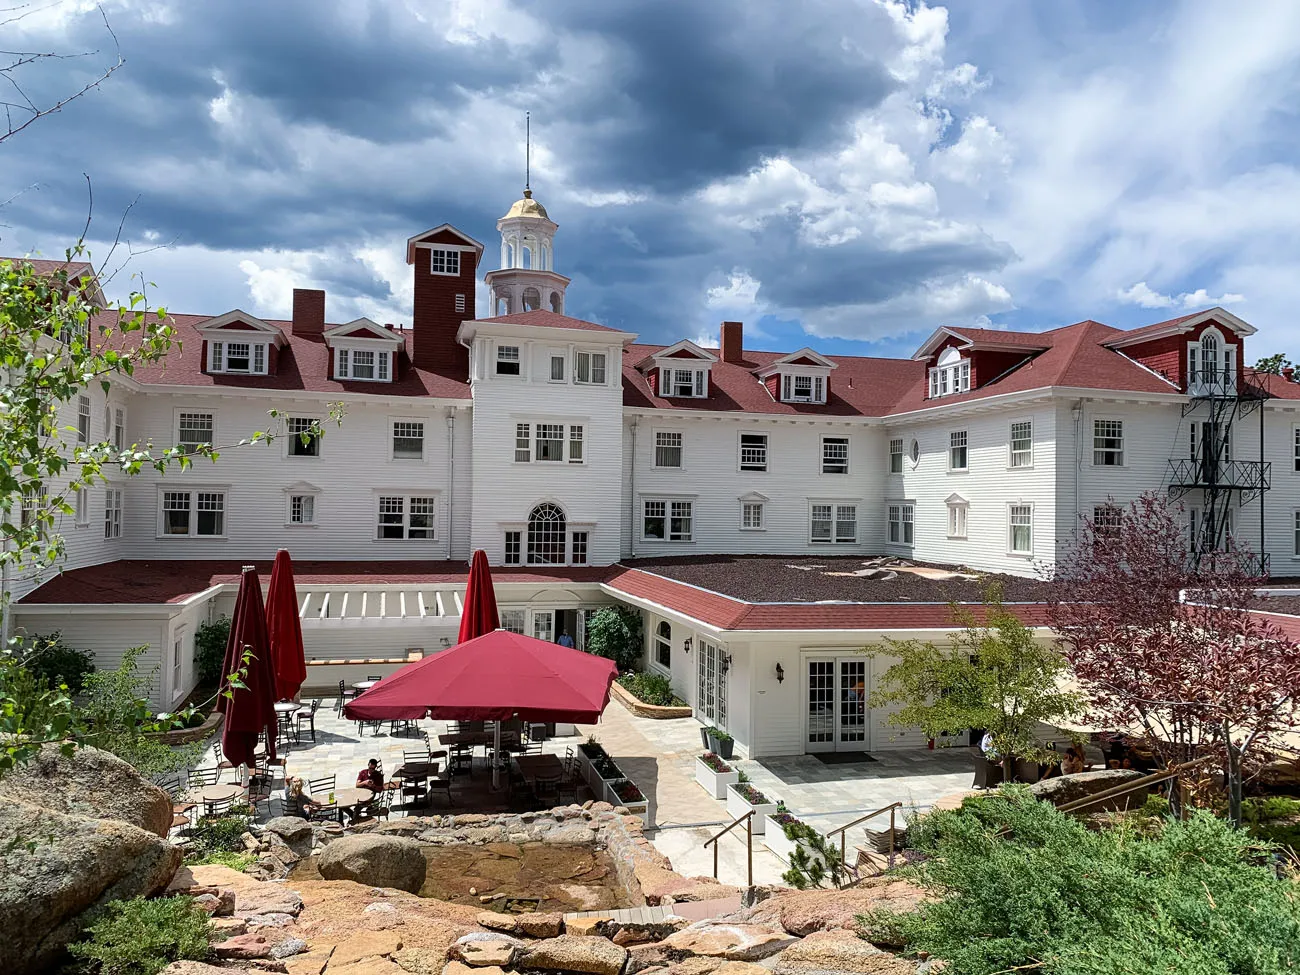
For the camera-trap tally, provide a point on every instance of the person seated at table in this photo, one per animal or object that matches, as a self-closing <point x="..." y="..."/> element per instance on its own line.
<point x="370" y="777"/>
<point x="1073" y="762"/>
<point x="296" y="803"/>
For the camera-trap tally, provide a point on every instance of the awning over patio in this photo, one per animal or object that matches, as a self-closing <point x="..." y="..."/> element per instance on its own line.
<point x="493" y="678"/>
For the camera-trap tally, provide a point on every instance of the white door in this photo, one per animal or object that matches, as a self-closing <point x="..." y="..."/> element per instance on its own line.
<point x="544" y="624"/>
<point x="835" y="696"/>
<point x="711" y="690"/>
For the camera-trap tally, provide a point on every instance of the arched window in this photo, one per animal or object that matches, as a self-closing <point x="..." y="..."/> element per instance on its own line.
<point x="1210" y="356"/>
<point x="528" y="254"/>
<point x="664" y="645"/>
<point x="557" y="302"/>
<point x="503" y="305"/>
<point x="532" y="299"/>
<point x="546" y="257"/>
<point x="547" y="535"/>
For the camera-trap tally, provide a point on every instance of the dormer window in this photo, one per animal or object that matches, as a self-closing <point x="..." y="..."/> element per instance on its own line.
<point x="682" y="370"/>
<point x="800" y="377"/>
<point x="364" y="351"/>
<point x="248" y="358"/>
<point x="951" y="375"/>
<point x="687" y="382"/>
<point x="367" y="365"/>
<point x="803" y="389"/>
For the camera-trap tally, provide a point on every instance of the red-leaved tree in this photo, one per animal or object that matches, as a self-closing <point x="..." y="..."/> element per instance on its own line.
<point x="1169" y="649"/>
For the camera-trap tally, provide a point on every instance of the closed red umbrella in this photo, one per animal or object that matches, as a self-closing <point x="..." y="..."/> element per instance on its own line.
<point x="250" y="708"/>
<point x="479" y="615"/>
<point x="284" y="629"/>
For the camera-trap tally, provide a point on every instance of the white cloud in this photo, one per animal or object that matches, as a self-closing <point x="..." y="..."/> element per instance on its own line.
<point x="980" y="152"/>
<point x="740" y="291"/>
<point x="1144" y="296"/>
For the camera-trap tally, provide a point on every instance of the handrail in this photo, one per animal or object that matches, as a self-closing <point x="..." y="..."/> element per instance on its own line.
<point x="843" y="830"/>
<point x="1115" y="792"/>
<point x="747" y="819"/>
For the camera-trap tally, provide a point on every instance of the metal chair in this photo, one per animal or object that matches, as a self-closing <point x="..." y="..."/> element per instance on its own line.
<point x="222" y="761"/>
<point x="200" y="777"/>
<point x="378" y="808"/>
<point x="441" y="783"/>
<point x="309" y="719"/>
<point x="345" y="694"/>
<point x="546" y="788"/>
<point x="410" y="757"/>
<point x="462" y="760"/>
<point x="323" y="787"/>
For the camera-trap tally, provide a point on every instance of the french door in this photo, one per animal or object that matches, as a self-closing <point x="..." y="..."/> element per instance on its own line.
<point x="711" y="691"/>
<point x="835" y="696"/>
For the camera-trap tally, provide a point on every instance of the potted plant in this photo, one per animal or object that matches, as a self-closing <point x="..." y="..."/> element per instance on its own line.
<point x="743" y="797"/>
<point x="720" y="743"/>
<point x="624" y="792"/>
<point x="783" y="833"/>
<point x="704" y="737"/>
<point x="714" y="775"/>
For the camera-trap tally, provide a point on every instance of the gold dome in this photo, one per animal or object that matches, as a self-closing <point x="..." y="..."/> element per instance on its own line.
<point x="527" y="207"/>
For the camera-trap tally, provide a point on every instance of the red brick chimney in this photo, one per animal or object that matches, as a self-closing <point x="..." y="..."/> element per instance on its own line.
<point x="1289" y="374"/>
<point x="733" y="341"/>
<point x="308" y="311"/>
<point x="442" y="302"/>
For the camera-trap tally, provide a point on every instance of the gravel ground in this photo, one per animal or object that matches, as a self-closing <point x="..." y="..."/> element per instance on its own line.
<point x="802" y="579"/>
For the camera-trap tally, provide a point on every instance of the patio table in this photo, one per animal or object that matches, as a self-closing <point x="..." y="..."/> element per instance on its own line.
<point x="344" y="798"/>
<point x="471" y="738"/>
<point x="210" y="795"/>
<point x="364" y="685"/>
<point x="545" y="765"/>
<point x="415" y="771"/>
<point x="287" y="707"/>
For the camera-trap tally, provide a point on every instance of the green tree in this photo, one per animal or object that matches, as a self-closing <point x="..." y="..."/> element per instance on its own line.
<point x="1272" y="364"/>
<point x="615" y="632"/>
<point x="1020" y="887"/>
<point x="994" y="676"/>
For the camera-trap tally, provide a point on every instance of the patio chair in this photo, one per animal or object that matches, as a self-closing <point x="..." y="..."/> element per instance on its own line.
<point x="462" y="760"/>
<point x="345" y="694"/>
<point x="377" y="808"/>
<point x="566" y="791"/>
<point x="222" y="761"/>
<point x="218" y="808"/>
<point x="411" y="757"/>
<point x="200" y="777"/>
<point x="308" y="720"/>
<point x="322" y="787"/>
<point x="441" y="783"/>
<point x="546" y="789"/>
<point x="521" y="796"/>
<point x="403" y="726"/>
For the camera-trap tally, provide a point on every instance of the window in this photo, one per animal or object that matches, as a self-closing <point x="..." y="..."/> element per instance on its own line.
<point x="237" y="357"/>
<point x="302" y="509"/>
<point x="246" y="357"/>
<point x="835" y="455"/>
<point x="33" y="502"/>
<point x="113" y="513"/>
<point x="547" y="533"/>
<point x="514" y="620"/>
<point x="1022" y="529"/>
<point x="406" y="517"/>
<point x="589" y="367"/>
<point x="176" y="662"/>
<point x="664" y="645"/>
<point x="444" y="261"/>
<point x="193" y="431"/>
<point x="579" y="548"/>
<point x="902" y="519"/>
<point x="194" y="513"/>
<point x="667" y="520"/>
<point x="820" y="528"/>
<point x="83" y="507"/>
<point x="303" y="442"/>
<point x="1108" y="443"/>
<point x="408" y="440"/>
<point x="836" y="523"/>
<point x="550" y="442"/>
<point x="1022" y="443"/>
<point x="952" y="375"/>
<point x="119" y="428"/>
<point x="803" y="389"/>
<point x="684" y="382"/>
<point x="575" y="443"/>
<point x="507" y="360"/>
<point x="460" y="304"/>
<point x="557" y="368"/>
<point x="83" y="419"/>
<point x="1107" y="519"/>
<point x="956" y="518"/>
<point x="914" y="451"/>
<point x="846" y="523"/>
<point x="363" y="364"/>
<point x="523" y="443"/>
<point x="957" y="456"/>
<point x="514" y="550"/>
<point x="668" y="450"/>
<point x="896" y="456"/>
<point x="1297" y="533"/>
<point x="753" y="451"/>
<point x="751" y="515"/>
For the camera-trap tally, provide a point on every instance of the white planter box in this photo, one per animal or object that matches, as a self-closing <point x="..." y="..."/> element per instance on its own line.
<point x="774" y="839"/>
<point x="738" y="805"/>
<point x="715" y="783"/>
<point x="641" y="808"/>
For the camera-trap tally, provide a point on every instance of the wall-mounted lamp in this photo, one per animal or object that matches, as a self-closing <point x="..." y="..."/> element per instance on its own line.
<point x="686" y="645"/>
<point x="780" y="674"/>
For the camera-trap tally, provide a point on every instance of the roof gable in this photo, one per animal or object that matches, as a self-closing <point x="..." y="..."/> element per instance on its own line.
<point x="442" y="230"/>
<point x="240" y="321"/>
<point x="363" y="328"/>
<point x="1180" y="325"/>
<point x="685" y="349"/>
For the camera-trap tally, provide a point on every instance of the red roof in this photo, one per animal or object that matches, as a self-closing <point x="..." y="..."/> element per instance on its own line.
<point x="547" y="319"/>
<point x="1157" y="327"/>
<point x="1030" y="340"/>
<point x="75" y="269"/>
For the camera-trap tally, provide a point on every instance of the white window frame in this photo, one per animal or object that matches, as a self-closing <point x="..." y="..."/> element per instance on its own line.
<point x="753" y="515"/>
<point x="219" y="356"/>
<point x="698" y="382"/>
<point x="112" y="513"/>
<point x="572" y="438"/>
<point x="82" y="507"/>
<point x="958" y="518"/>
<point x="585" y="362"/>
<point x="517" y="556"/>
<point x="293" y="438"/>
<point x="1114" y="520"/>
<point x="829" y="511"/>
<point x="845" y="440"/>
<point x="791" y="380"/>
<point x="309" y="500"/>
<point x="554" y="356"/>
<point x="903" y="515"/>
<point x="901" y="454"/>
<point x="345" y="363"/>
<point x="83" y="420"/>
<point x="193" y="445"/>
<point x="1012" y="508"/>
<point x="659" y="641"/>
<point x="178" y="661"/>
<point x="511" y="355"/>
<point x="1023" y="459"/>
<point x="194" y="501"/>
<point x="441" y="261"/>
<point x="406" y="496"/>
<point x="119" y="427"/>
<point x="753" y="465"/>
<point x="680" y="447"/>
<point x="1098" y="451"/>
<point x="958" y="440"/>
<point x="950" y="376"/>
<point x="392" y="440"/>
<point x="1296" y="533"/>
<point x="669" y="512"/>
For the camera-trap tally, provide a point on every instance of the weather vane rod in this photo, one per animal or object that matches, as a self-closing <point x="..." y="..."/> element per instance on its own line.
<point x="528" y="150"/>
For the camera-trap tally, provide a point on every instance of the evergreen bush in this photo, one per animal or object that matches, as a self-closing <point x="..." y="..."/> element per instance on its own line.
<point x="210" y="650"/>
<point x="142" y="937"/>
<point x="615" y="633"/>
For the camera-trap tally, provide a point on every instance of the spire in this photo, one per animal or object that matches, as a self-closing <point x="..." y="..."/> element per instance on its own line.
<point x="528" y="154"/>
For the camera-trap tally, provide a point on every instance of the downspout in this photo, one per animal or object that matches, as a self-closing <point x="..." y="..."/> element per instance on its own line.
<point x="451" y="478"/>
<point x="631" y="504"/>
<point x="1076" y="412"/>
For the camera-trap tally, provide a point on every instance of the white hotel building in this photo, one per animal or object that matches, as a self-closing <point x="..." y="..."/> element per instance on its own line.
<point x="594" y="469"/>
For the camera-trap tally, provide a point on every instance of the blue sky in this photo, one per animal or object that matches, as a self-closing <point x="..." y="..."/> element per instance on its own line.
<point x="845" y="174"/>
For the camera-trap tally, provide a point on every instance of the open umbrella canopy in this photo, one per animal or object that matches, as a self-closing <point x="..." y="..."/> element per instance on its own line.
<point x="492" y="678"/>
<point x="250" y="708"/>
<point x="284" y="628"/>
<point x="479" y="615"/>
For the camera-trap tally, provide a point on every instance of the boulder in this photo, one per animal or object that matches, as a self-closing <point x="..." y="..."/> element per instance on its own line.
<point x="375" y="860"/>
<point x="588" y="927"/>
<point x="801" y="912"/>
<point x="728" y="940"/>
<point x="243" y="946"/>
<point x="1067" y="788"/>
<point x="573" y="953"/>
<point x="363" y="945"/>
<point x="309" y="962"/>
<point x="91" y="783"/>
<point x="580" y="897"/>
<point x="838" y="953"/>
<point x="57" y="866"/>
<point x="540" y="925"/>
<point x="193" y="968"/>
<point x="297" y="833"/>
<point x="573" y="834"/>
<point x="485" y="950"/>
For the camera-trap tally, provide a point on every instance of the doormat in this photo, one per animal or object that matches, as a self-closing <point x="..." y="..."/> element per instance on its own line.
<point x="842" y="758"/>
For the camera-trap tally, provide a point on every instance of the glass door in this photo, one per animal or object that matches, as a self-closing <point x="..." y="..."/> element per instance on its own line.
<point x="711" y="692"/>
<point x="544" y="624"/>
<point x="836" y="704"/>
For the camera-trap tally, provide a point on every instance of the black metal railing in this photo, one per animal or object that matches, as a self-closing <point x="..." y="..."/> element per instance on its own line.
<point x="1236" y="475"/>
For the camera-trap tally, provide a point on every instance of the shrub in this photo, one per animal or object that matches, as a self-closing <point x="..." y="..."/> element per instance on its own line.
<point x="210" y="650"/>
<point x="626" y="790"/>
<point x="1018" y="885"/>
<point x="650" y="688"/>
<point x="615" y="633"/>
<point x="51" y="658"/>
<point x="219" y="834"/>
<point x="224" y="858"/>
<point x="142" y="937"/>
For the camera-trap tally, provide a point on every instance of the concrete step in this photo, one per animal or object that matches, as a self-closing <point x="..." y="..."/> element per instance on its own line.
<point x="692" y="911"/>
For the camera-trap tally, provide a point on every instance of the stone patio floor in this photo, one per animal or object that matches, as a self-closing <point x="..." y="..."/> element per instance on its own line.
<point x="659" y="756"/>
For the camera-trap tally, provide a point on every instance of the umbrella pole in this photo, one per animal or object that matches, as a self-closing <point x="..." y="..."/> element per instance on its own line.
<point x="496" y="755"/>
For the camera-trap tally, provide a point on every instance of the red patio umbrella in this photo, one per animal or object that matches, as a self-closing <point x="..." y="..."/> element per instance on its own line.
<point x="249" y="709"/>
<point x="480" y="613"/>
<point x="284" y="629"/>
<point x="491" y="678"/>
